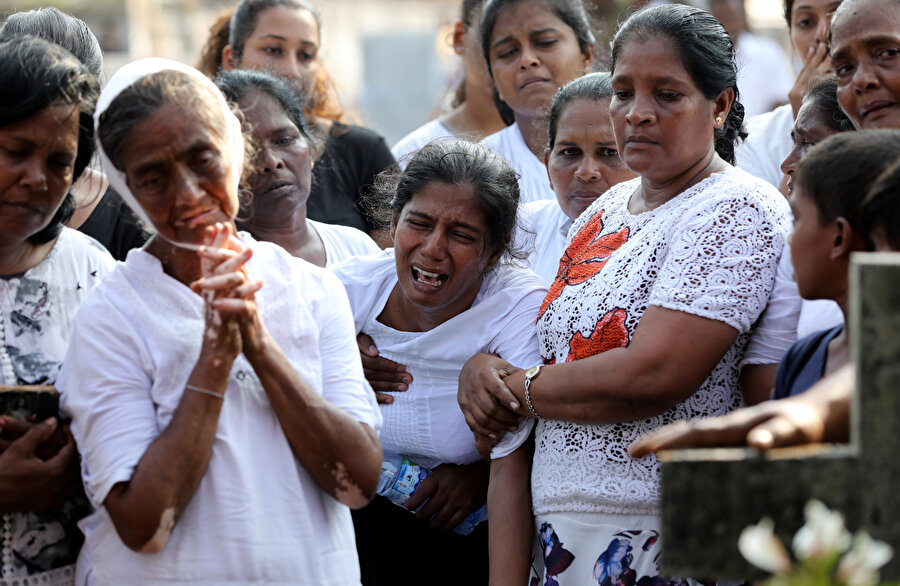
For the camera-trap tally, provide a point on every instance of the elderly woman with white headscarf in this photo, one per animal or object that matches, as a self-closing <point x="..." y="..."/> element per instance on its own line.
<point x="224" y="422"/>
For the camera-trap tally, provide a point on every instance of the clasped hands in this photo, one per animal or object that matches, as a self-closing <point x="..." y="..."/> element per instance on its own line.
<point x="233" y="324"/>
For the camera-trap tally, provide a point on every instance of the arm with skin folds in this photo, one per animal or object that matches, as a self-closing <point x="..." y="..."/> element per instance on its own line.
<point x="145" y="509"/>
<point x="670" y="355"/>
<point x="510" y="520"/>
<point x="820" y="414"/>
<point x="341" y="454"/>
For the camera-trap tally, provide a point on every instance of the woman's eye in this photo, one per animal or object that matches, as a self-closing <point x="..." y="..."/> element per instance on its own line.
<point x="804" y="23"/>
<point x="546" y="42"/>
<point x="888" y="53"/>
<point x="285" y="141"/>
<point x="63" y="163"/>
<point x="669" y="96"/>
<point x="607" y="152"/>
<point x="570" y="152"/>
<point x="306" y="57"/>
<point x="843" y="69"/>
<point x="464" y="237"/>
<point x="622" y="94"/>
<point x="272" y="51"/>
<point x="416" y="223"/>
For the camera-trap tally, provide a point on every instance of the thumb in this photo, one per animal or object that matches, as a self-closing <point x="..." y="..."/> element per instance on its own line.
<point x="35" y="436"/>
<point x="366" y="345"/>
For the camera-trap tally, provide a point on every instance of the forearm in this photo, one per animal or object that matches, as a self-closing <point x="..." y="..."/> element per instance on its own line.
<point x="610" y="387"/>
<point x="341" y="454"/>
<point x="510" y="520"/>
<point x="145" y="509"/>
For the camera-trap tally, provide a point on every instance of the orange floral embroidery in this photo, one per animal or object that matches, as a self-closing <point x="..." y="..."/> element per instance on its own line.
<point x="585" y="257"/>
<point x="610" y="332"/>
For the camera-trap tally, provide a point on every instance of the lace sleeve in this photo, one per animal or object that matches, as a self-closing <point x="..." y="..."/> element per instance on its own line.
<point x="722" y="260"/>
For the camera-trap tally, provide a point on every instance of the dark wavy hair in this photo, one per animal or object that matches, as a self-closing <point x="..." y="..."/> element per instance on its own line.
<point x="592" y="86"/>
<point x="571" y="12"/>
<point x="706" y="51"/>
<point x="54" y="25"/>
<point x="861" y="157"/>
<point x="238" y="84"/>
<point x="881" y="208"/>
<point x="823" y="96"/>
<point x="456" y="162"/>
<point x="36" y="74"/>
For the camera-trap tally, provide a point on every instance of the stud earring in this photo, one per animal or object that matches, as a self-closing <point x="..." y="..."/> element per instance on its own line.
<point x="718" y="120"/>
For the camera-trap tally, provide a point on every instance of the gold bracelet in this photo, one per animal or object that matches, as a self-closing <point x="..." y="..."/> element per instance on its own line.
<point x="205" y="391"/>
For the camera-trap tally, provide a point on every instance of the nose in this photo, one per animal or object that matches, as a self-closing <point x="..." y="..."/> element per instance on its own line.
<point x="34" y="177"/>
<point x="269" y="160"/>
<point x="434" y="246"/>
<point x="528" y="58"/>
<point x="865" y="77"/>
<point x="641" y="110"/>
<point x="187" y="188"/>
<point x="588" y="170"/>
<point x="789" y="164"/>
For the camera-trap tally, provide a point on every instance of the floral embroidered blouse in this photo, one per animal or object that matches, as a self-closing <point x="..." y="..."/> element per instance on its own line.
<point x="712" y="251"/>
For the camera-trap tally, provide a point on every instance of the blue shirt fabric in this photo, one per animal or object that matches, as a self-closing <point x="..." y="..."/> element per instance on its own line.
<point x="804" y="363"/>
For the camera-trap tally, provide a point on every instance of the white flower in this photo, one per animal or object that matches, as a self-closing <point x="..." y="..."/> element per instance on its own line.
<point x="822" y="535"/>
<point x="859" y="567"/>
<point x="759" y="546"/>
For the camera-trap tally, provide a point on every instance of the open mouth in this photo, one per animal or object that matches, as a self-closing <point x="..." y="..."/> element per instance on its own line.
<point x="435" y="280"/>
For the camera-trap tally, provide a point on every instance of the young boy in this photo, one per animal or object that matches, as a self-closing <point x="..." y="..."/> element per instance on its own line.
<point x="827" y="200"/>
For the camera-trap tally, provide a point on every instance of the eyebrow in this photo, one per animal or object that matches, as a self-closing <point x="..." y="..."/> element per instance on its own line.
<point x="284" y="39"/>
<point x="596" y="142"/>
<point x="454" y="223"/>
<point x="509" y="38"/>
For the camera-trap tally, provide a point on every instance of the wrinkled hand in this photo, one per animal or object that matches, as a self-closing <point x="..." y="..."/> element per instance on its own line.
<point x="771" y="424"/>
<point x="28" y="481"/>
<point x="484" y="398"/>
<point x="453" y="492"/>
<point x="384" y="375"/>
<point x="816" y="63"/>
<point x="232" y="321"/>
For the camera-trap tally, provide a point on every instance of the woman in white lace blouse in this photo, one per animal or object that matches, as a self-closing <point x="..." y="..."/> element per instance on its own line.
<point x="645" y="323"/>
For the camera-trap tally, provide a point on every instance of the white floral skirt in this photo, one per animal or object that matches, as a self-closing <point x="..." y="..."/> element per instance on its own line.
<point x="587" y="549"/>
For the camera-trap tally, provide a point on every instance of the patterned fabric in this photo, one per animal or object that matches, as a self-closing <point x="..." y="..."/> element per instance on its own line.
<point x="37" y="310"/>
<point x="591" y="549"/>
<point x="712" y="251"/>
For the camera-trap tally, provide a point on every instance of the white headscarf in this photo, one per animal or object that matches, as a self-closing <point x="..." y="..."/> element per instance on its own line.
<point x="125" y="78"/>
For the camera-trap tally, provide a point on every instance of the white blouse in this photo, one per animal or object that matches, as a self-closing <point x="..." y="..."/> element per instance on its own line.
<point x="534" y="183"/>
<point x="257" y="515"/>
<point x="425" y="423"/>
<point x="712" y="251"/>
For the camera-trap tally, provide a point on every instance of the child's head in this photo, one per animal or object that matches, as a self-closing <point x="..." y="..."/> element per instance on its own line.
<point x="881" y="210"/>
<point x="829" y="187"/>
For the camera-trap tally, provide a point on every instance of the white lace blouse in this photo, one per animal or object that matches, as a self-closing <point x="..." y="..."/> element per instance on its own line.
<point x="712" y="251"/>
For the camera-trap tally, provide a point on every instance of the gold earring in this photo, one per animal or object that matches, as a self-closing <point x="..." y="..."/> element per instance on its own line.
<point x="718" y="120"/>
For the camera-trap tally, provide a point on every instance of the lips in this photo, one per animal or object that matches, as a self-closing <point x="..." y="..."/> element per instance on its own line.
<point x="198" y="217"/>
<point x="533" y="81"/>
<point x="639" y="139"/>
<point x="875" y="108"/>
<point x="433" y="279"/>
<point x="277" y="186"/>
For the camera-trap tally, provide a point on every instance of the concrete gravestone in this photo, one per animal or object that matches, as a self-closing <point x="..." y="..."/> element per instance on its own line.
<point x="710" y="495"/>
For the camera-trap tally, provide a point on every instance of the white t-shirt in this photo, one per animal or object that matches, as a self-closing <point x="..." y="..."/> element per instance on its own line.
<point x="342" y="242"/>
<point x="534" y="184"/>
<point x="37" y="316"/>
<point x="545" y="232"/>
<point x="768" y="143"/>
<point x="712" y="251"/>
<point x="257" y="515"/>
<point x="787" y="318"/>
<point x="425" y="423"/>
<point x="764" y="74"/>
<point x="418" y="138"/>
